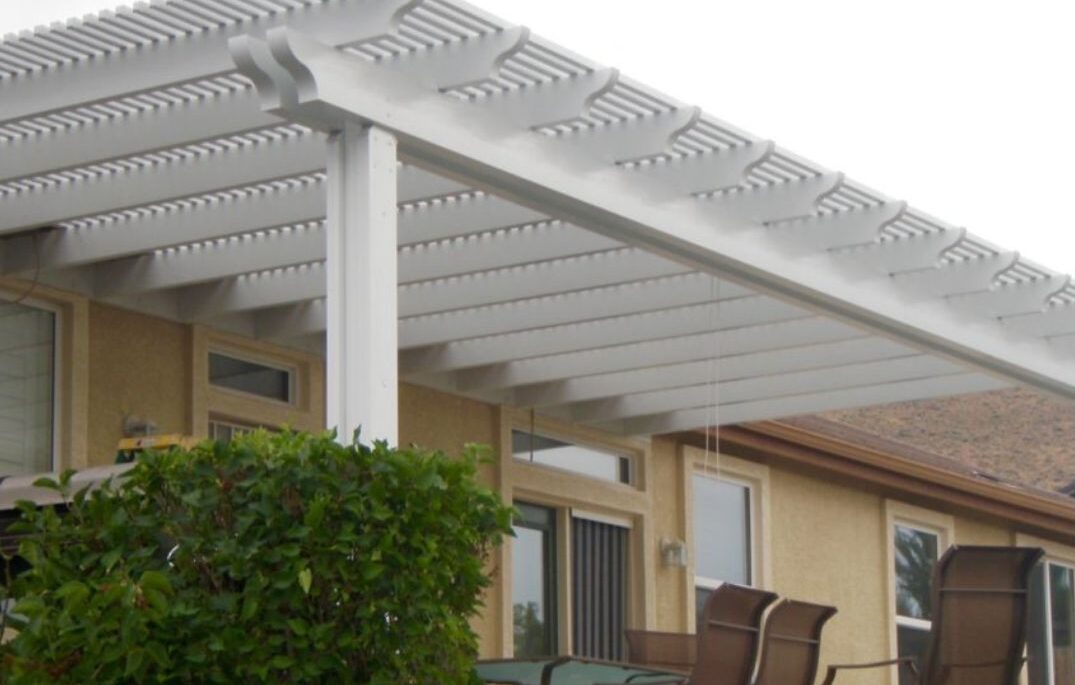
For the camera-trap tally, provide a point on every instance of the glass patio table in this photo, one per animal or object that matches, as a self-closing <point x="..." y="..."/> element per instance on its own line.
<point x="570" y="670"/>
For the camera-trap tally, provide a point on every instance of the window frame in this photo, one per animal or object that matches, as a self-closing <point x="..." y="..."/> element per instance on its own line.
<point x="624" y="455"/>
<point x="1059" y="555"/>
<point x="916" y="518"/>
<point x="739" y="472"/>
<point x="552" y="582"/>
<point x="291" y="370"/>
<point x="752" y="494"/>
<point x="306" y="411"/>
<point x="573" y="494"/>
<point x="58" y="368"/>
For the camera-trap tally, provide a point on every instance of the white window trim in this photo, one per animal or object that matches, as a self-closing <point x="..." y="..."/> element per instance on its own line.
<point x="909" y="516"/>
<point x="1059" y="555"/>
<point x="58" y="369"/>
<point x="752" y="526"/>
<point x="629" y="455"/>
<point x="738" y="471"/>
<point x="290" y="369"/>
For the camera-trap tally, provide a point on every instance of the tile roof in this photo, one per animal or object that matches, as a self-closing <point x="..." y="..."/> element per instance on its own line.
<point x="1016" y="436"/>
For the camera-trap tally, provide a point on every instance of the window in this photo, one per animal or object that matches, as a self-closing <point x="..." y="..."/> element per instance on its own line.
<point x="915" y="551"/>
<point x="251" y="377"/>
<point x="27" y="389"/>
<point x="1050" y="648"/>
<point x="723" y="535"/>
<point x="533" y="586"/>
<point x="224" y="431"/>
<point x="595" y="463"/>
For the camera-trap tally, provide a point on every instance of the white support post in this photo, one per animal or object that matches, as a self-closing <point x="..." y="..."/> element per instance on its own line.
<point x="360" y="266"/>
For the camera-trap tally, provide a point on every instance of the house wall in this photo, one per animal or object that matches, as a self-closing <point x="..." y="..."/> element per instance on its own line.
<point x="139" y="366"/>
<point x="820" y="539"/>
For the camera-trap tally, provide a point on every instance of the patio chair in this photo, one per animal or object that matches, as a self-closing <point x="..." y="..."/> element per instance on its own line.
<point x="980" y="603"/>
<point x="791" y="643"/>
<point x="726" y="647"/>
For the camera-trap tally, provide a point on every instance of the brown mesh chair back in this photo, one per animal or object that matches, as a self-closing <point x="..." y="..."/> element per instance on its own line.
<point x="980" y="600"/>
<point x="792" y="643"/>
<point x="664" y="651"/>
<point x="729" y="635"/>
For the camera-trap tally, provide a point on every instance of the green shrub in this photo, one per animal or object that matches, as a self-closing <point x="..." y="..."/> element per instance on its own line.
<point x="272" y="559"/>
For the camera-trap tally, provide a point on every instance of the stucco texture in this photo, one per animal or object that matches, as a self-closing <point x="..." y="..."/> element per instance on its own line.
<point x="437" y="420"/>
<point x="828" y="548"/>
<point x="138" y="365"/>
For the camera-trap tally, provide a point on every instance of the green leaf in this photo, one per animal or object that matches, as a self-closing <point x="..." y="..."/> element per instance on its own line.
<point x="298" y="626"/>
<point x="250" y="607"/>
<point x="156" y="580"/>
<point x="306" y="579"/>
<point x="109" y="558"/>
<point x="135" y="657"/>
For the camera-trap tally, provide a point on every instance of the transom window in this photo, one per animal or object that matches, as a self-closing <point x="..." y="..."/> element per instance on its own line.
<point x="585" y="460"/>
<point x="915" y="553"/>
<point x="723" y="535"/>
<point x="27" y="388"/>
<point x="224" y="431"/>
<point x="252" y="377"/>
<point x="1050" y="639"/>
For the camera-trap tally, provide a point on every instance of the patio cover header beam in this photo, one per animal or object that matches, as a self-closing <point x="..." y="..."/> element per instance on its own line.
<point x="313" y="84"/>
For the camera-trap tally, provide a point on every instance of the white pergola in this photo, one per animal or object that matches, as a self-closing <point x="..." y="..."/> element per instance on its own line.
<point x="567" y="239"/>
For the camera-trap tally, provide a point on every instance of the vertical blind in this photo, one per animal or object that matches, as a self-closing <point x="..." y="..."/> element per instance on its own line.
<point x="27" y="354"/>
<point x="599" y="587"/>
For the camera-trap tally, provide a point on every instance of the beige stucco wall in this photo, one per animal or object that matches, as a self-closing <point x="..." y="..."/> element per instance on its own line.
<point x="827" y="547"/>
<point x="437" y="420"/>
<point x="138" y="365"/>
<point x="671" y="584"/>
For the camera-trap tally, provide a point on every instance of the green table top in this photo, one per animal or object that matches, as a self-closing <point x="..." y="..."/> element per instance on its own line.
<point x="570" y="671"/>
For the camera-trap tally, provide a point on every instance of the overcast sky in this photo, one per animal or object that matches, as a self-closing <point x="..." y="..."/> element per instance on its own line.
<point x="964" y="108"/>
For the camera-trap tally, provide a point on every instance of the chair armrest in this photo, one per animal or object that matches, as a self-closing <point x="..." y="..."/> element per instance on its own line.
<point x="907" y="661"/>
<point x="670" y="681"/>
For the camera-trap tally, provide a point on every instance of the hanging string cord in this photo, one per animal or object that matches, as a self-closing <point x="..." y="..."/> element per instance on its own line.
<point x="712" y="417"/>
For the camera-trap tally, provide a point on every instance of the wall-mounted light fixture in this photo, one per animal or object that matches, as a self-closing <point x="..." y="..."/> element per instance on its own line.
<point x="674" y="553"/>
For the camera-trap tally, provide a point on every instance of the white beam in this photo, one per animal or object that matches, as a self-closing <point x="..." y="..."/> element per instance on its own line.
<point x="360" y="372"/>
<point x="703" y="172"/>
<point x="760" y="410"/>
<point x="306" y="243"/>
<point x="199" y="117"/>
<point x="838" y="229"/>
<point x="887" y="257"/>
<point x="959" y="278"/>
<point x="785" y="336"/>
<point x="206" y="170"/>
<point x="557" y="276"/>
<point x="723" y="368"/>
<point x="500" y="248"/>
<point x="534" y="279"/>
<point x="251" y="291"/>
<point x="1054" y="320"/>
<point x="629" y="141"/>
<point x="194" y="57"/>
<point x="219" y="215"/>
<point x="566" y="308"/>
<point x="291" y="321"/>
<point x="1012" y="299"/>
<point x="660" y="325"/>
<point x="139" y="132"/>
<point x="314" y="84"/>
<point x="778" y="202"/>
<point x="730" y="392"/>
